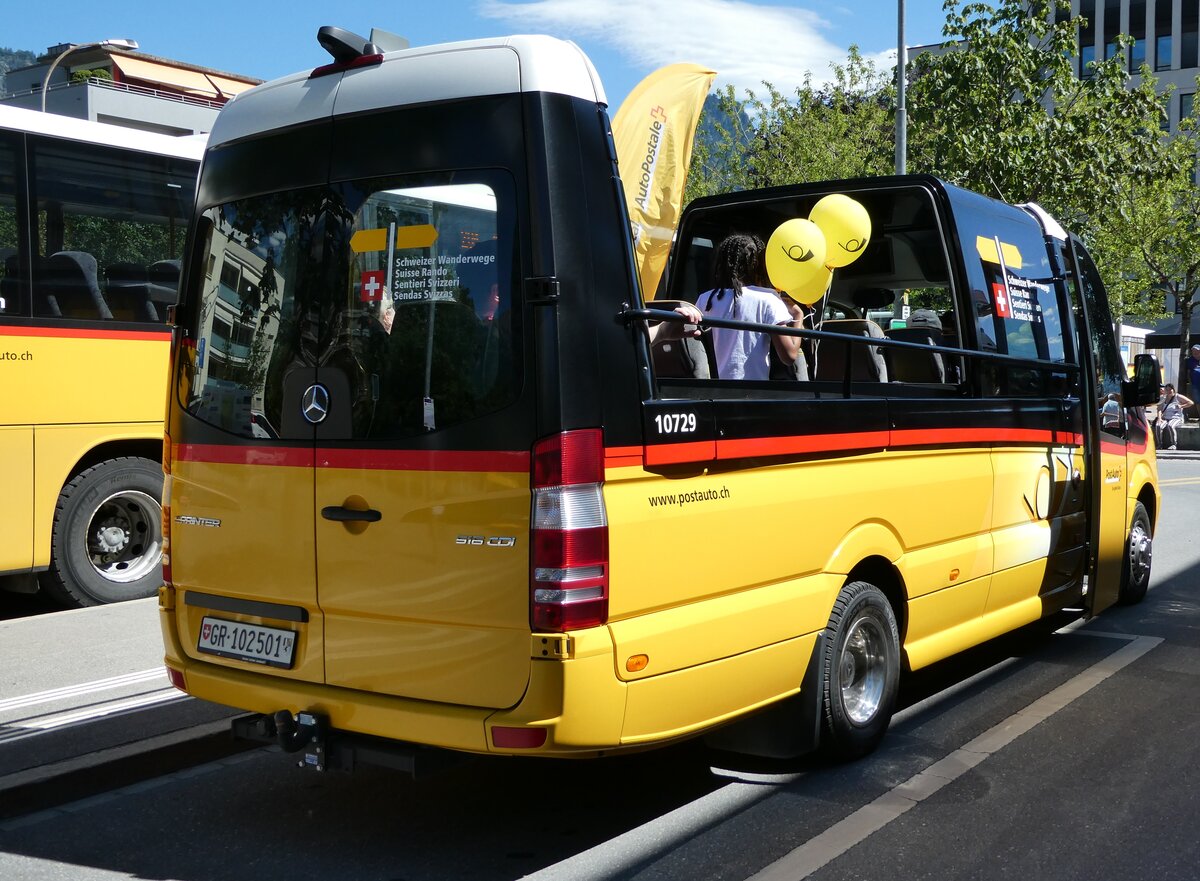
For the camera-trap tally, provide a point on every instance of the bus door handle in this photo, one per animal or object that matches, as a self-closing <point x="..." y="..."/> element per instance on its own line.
<point x="347" y="515"/>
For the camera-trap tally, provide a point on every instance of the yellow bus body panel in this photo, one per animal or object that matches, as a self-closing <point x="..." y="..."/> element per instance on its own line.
<point x="247" y="556"/>
<point x="63" y="394"/>
<point x="16" y="519"/>
<point x="411" y="611"/>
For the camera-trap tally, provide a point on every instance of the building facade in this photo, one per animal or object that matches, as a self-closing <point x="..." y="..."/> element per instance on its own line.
<point x="123" y="87"/>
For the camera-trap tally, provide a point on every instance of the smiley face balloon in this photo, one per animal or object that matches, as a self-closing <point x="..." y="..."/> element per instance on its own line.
<point x="846" y="225"/>
<point x="795" y="255"/>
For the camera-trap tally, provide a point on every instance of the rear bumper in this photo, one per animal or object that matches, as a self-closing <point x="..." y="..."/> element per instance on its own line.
<point x="578" y="701"/>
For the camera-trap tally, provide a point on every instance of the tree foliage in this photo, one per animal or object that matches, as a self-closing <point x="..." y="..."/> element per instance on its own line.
<point x="843" y="128"/>
<point x="1003" y="113"/>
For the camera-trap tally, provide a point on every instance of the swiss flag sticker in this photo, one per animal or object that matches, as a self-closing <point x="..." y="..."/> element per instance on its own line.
<point x="1000" y="298"/>
<point x="205" y="631"/>
<point x="372" y="286"/>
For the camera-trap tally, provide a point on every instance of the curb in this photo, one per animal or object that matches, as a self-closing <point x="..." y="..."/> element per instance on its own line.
<point x="47" y="786"/>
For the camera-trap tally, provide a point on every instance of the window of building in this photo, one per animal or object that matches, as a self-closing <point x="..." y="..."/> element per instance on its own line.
<point x="1162" y="36"/>
<point x="1189" y="37"/>
<point x="1137" y="30"/>
<point x="1087" y="38"/>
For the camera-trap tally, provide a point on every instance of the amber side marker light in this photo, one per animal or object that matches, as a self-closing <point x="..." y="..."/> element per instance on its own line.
<point x="637" y="663"/>
<point x="954" y="575"/>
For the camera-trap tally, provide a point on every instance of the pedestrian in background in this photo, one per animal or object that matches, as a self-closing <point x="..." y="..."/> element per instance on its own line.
<point x="1193" y="370"/>
<point x="1170" y="417"/>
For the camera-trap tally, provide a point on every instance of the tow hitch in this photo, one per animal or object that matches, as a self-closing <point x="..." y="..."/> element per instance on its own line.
<point x="325" y="749"/>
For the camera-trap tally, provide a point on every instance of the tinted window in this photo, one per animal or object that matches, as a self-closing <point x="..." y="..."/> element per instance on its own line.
<point x="10" y="287"/>
<point x="401" y="287"/>
<point x="110" y="230"/>
<point x="1013" y="291"/>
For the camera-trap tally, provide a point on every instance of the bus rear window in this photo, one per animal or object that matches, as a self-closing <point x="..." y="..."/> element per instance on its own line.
<point x="402" y="286"/>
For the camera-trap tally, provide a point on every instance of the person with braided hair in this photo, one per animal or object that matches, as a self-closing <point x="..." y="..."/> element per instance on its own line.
<point x="740" y="292"/>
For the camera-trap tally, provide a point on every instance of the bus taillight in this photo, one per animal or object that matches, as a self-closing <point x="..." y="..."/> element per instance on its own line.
<point x="569" y="533"/>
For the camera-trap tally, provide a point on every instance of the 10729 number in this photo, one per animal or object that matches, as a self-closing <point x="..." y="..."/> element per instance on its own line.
<point x="675" y="423"/>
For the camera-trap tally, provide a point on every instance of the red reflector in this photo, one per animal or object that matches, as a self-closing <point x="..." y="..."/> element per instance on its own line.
<point x="569" y="458"/>
<point x="518" y="738"/>
<point x="176" y="677"/>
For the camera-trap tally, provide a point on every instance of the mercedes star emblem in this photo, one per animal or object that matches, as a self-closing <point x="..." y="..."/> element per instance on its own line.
<point x="315" y="403"/>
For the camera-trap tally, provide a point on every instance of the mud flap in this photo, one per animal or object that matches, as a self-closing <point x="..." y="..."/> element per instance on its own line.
<point x="784" y="730"/>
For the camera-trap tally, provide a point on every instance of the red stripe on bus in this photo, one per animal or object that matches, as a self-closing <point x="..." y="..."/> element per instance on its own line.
<point x="426" y="460"/>
<point x="85" y="333"/>
<point x="917" y="437"/>
<point x="813" y="443"/>
<point x="365" y="460"/>
<point x="673" y="454"/>
<point x="1113" y="448"/>
<point x="219" y="454"/>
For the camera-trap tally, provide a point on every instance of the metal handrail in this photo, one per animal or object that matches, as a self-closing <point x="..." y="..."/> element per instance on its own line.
<point x="629" y="315"/>
<point x="126" y="87"/>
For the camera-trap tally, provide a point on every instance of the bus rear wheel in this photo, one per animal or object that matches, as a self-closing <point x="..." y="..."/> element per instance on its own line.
<point x="106" y="545"/>
<point x="861" y="671"/>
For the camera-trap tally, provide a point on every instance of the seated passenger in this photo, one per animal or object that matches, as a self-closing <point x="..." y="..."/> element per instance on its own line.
<point x="740" y="293"/>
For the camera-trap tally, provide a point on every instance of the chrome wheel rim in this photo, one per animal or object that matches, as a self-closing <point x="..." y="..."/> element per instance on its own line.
<point x="1140" y="552"/>
<point x="124" y="537"/>
<point x="862" y="670"/>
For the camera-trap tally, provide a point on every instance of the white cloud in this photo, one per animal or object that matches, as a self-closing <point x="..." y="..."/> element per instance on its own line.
<point x="745" y="42"/>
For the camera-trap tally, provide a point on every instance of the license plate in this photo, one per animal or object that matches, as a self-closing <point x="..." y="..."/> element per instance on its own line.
<point x="247" y="642"/>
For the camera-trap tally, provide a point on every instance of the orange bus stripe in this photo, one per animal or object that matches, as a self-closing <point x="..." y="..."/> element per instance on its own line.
<point x="84" y="333"/>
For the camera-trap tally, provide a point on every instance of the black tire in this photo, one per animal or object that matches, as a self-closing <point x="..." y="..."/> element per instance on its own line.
<point x="106" y="546"/>
<point x="860" y="671"/>
<point x="1135" y="569"/>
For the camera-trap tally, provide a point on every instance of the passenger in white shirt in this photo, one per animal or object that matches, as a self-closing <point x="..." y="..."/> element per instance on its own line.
<point x="740" y="293"/>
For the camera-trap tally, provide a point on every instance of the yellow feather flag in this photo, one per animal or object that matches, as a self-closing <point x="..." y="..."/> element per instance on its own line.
<point x="653" y="131"/>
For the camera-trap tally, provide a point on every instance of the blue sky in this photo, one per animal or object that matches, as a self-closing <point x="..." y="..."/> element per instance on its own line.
<point x="746" y="41"/>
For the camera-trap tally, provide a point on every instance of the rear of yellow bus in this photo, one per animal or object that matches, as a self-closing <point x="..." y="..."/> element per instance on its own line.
<point x="383" y="504"/>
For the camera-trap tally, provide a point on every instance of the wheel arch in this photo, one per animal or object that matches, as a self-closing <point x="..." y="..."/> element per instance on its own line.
<point x="50" y="478"/>
<point x="880" y="572"/>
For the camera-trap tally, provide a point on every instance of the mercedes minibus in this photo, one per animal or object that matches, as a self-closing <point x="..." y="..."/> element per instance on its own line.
<point x="459" y="495"/>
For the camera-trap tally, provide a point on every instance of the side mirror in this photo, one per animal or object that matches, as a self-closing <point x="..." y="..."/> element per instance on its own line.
<point x="1142" y="390"/>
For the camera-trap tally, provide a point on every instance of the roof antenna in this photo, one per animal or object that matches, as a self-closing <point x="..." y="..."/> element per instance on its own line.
<point x="345" y="46"/>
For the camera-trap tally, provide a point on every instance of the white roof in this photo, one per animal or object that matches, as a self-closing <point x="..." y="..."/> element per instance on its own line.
<point x="412" y="76"/>
<point x="57" y="125"/>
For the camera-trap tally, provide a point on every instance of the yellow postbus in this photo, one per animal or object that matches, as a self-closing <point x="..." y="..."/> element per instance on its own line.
<point x="464" y="494"/>
<point x="92" y="225"/>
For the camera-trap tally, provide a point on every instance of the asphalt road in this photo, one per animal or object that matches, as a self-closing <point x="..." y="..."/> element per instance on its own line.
<point x="1066" y="754"/>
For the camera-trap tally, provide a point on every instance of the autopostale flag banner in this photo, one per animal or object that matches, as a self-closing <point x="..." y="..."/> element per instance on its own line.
<point x="654" y="130"/>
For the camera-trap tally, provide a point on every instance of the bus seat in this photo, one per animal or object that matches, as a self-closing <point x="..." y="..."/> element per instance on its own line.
<point x="164" y="284"/>
<point x="688" y="357"/>
<point x="128" y="292"/>
<point x="866" y="361"/>
<point x="72" y="283"/>
<point x="908" y="365"/>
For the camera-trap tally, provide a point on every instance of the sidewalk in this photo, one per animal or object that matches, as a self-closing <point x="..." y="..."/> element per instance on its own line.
<point x="1188" y="446"/>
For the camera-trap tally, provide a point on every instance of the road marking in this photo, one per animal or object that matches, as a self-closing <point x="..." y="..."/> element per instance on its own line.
<point x="1179" y="481"/>
<point x="14" y="731"/>
<point x="860" y="825"/>
<point x="56" y="694"/>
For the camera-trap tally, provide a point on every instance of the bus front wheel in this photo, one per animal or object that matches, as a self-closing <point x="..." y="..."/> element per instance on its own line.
<point x="1135" y="571"/>
<point x="861" y="671"/>
<point x="106" y="545"/>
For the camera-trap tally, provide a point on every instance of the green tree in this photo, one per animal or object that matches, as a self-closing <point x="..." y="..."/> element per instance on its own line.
<point x="837" y="130"/>
<point x="1147" y="246"/>
<point x="1002" y="112"/>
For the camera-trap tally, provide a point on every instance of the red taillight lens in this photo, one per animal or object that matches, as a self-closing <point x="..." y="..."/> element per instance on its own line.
<point x="569" y="529"/>
<point x="176" y="677"/>
<point x="166" y="539"/>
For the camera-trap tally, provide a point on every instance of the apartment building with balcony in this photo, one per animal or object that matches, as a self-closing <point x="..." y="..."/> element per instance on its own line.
<point x="124" y="87"/>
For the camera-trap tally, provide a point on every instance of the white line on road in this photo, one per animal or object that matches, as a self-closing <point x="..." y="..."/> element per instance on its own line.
<point x="843" y="835"/>
<point x="42" y="724"/>
<point x="55" y="694"/>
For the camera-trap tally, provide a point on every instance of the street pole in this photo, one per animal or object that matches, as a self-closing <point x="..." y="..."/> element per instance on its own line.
<point x="102" y="44"/>
<point x="901" y="112"/>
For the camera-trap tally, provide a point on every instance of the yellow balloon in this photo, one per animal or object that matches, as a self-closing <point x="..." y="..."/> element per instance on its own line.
<point x="846" y="225"/>
<point x="795" y="254"/>
<point x="814" y="289"/>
